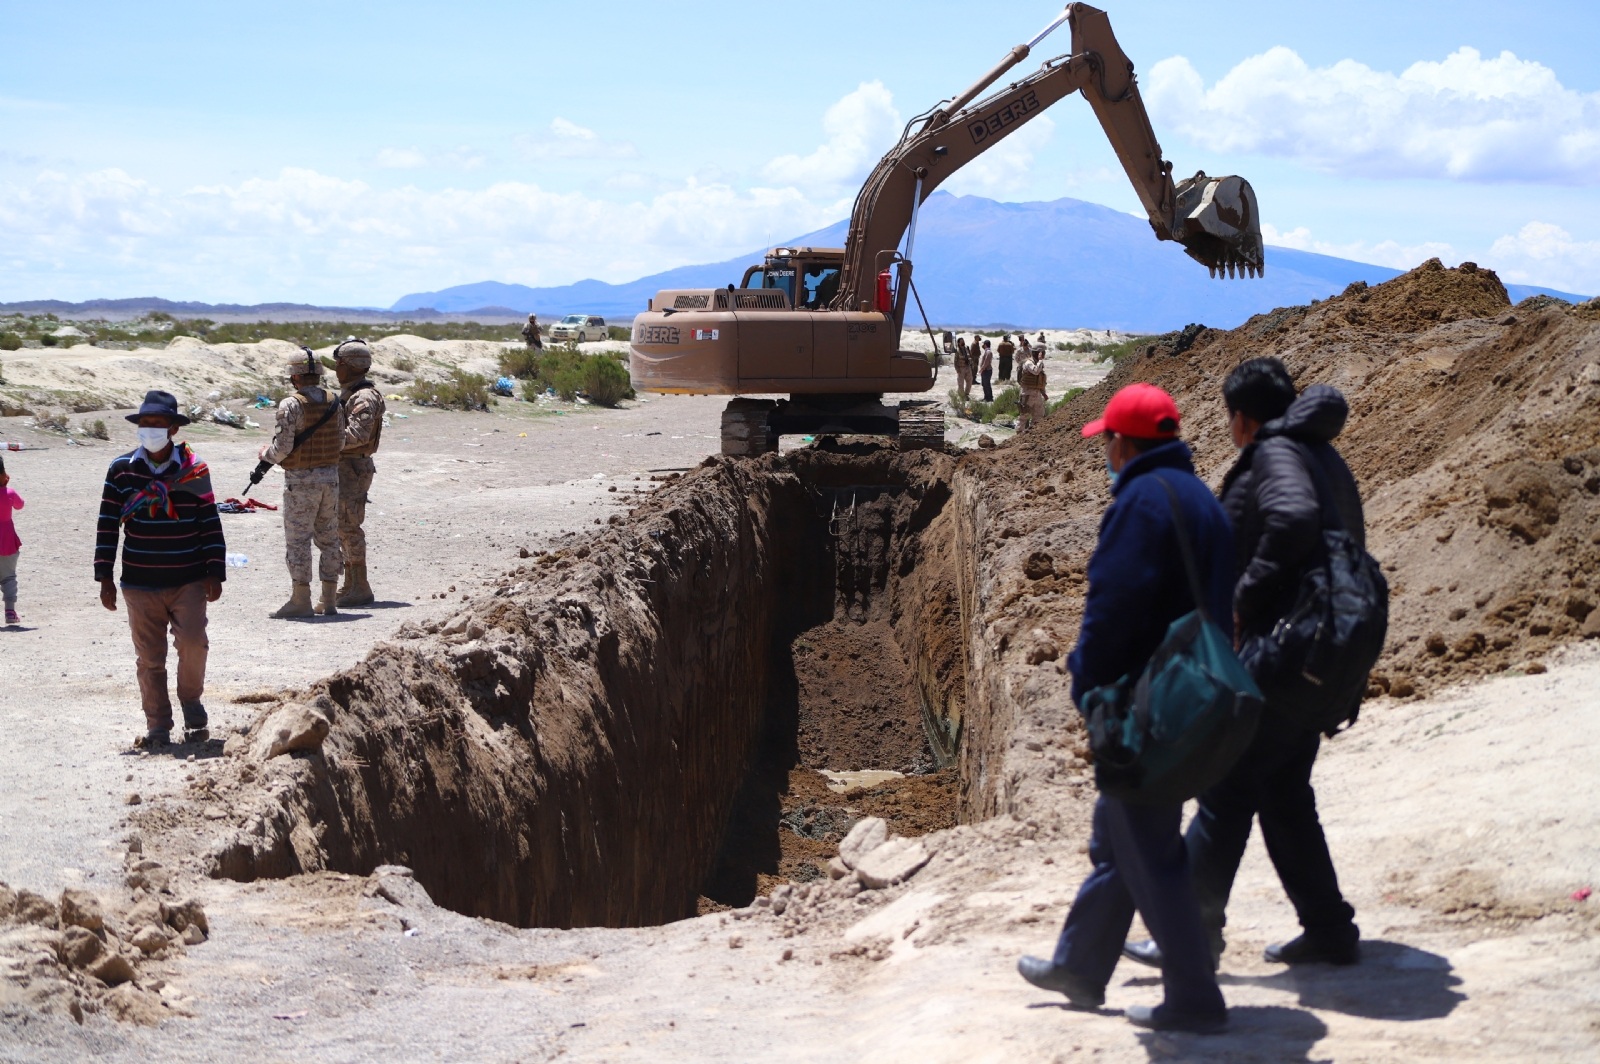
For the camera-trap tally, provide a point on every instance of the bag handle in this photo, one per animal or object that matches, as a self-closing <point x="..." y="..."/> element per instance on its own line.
<point x="1196" y="589"/>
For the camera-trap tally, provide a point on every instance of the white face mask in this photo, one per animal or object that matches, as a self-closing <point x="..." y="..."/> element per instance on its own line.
<point x="153" y="439"/>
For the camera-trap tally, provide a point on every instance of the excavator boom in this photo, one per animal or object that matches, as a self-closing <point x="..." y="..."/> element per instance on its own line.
<point x="1215" y="219"/>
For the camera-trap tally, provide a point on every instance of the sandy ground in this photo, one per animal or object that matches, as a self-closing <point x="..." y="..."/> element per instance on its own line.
<point x="1458" y="824"/>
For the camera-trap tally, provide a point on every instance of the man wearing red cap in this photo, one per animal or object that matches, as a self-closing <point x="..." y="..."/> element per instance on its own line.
<point x="1137" y="588"/>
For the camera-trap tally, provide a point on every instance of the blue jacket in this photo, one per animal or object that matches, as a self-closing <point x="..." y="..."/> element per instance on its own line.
<point x="1137" y="585"/>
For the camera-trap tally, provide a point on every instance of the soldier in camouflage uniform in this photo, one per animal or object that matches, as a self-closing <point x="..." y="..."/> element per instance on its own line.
<point x="311" y="484"/>
<point x="363" y="427"/>
<point x="1030" y="375"/>
<point x="530" y="333"/>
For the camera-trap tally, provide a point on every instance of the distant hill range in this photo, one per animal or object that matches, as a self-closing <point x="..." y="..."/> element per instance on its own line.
<point x="119" y="309"/>
<point x="1066" y="264"/>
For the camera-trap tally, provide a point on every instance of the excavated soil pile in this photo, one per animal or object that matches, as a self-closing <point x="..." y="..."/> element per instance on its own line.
<point x="1474" y="433"/>
<point x="572" y="749"/>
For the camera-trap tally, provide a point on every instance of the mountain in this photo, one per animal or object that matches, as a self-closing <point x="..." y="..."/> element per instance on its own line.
<point x="1065" y="263"/>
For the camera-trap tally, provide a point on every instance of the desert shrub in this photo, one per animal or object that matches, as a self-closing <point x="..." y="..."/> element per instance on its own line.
<point x="459" y="391"/>
<point x="1116" y="352"/>
<point x="53" y="422"/>
<point x="1066" y="397"/>
<point x="606" y="380"/>
<point x="10" y="341"/>
<point x="48" y="340"/>
<point x="96" y="429"/>
<point x="404" y="363"/>
<point x="1007" y="402"/>
<point x="620" y="333"/>
<point x="519" y="362"/>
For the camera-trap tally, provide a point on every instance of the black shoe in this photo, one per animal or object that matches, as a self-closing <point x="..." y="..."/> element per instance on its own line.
<point x="1161" y="1018"/>
<point x="156" y="739"/>
<point x="1047" y="976"/>
<point x="194" y="724"/>
<point x="1302" y="950"/>
<point x="1148" y="954"/>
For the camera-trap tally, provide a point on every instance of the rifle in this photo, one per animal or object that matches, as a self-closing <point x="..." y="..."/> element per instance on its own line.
<point x="264" y="467"/>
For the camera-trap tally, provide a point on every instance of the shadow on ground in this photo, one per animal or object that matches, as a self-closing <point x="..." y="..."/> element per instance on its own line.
<point x="1393" y="982"/>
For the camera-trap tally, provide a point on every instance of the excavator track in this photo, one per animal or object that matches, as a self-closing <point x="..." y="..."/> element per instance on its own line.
<point x="747" y="428"/>
<point x="921" y="425"/>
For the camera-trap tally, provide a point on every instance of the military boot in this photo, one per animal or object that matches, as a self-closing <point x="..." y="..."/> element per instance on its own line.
<point x="356" y="591"/>
<point x="299" y="604"/>
<point x="330" y="594"/>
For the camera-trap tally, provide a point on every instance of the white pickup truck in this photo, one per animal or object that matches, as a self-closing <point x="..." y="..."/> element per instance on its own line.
<point x="580" y="328"/>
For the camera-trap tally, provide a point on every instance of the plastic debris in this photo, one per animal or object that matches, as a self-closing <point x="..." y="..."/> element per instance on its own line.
<point x="1582" y="894"/>
<point x="237" y="561"/>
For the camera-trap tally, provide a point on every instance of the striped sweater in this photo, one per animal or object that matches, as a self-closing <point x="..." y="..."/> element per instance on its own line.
<point x="173" y="535"/>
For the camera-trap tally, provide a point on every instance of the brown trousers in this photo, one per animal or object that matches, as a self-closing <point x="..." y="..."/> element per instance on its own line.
<point x="150" y="614"/>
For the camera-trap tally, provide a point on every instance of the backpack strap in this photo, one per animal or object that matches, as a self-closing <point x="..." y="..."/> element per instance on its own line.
<point x="1196" y="589"/>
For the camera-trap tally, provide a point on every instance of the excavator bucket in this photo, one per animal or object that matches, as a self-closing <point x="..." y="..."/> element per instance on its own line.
<point x="1219" y="225"/>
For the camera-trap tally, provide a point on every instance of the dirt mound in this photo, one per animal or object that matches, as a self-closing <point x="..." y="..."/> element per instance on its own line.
<point x="1474" y="432"/>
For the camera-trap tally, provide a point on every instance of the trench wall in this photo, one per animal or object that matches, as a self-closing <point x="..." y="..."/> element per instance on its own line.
<point x="567" y="752"/>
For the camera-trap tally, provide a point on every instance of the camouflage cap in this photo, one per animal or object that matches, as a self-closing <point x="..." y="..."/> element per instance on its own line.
<point x="304" y="364"/>
<point x="353" y="353"/>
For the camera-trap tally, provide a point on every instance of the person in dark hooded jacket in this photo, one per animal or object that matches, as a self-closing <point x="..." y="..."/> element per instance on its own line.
<point x="1272" y="502"/>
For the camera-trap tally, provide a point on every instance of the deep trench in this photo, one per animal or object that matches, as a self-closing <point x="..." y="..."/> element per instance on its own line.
<point x="629" y="736"/>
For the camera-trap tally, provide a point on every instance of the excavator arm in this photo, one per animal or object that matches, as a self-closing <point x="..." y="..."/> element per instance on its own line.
<point x="1215" y="219"/>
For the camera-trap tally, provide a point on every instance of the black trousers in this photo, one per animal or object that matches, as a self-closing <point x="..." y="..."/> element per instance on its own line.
<point x="1140" y="863"/>
<point x="1271" y="781"/>
<point x="988" y="392"/>
<point x="1005" y="367"/>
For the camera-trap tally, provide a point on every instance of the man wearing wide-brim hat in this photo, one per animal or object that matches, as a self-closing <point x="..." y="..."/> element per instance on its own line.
<point x="306" y="442"/>
<point x="157" y="499"/>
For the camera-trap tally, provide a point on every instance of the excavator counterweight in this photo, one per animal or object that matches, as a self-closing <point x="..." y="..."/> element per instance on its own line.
<point x="823" y="325"/>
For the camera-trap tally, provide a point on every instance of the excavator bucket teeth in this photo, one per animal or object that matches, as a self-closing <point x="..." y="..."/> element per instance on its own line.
<point x="1220" y="225"/>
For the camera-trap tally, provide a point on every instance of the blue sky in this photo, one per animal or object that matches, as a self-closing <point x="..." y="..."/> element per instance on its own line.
<point x="350" y="152"/>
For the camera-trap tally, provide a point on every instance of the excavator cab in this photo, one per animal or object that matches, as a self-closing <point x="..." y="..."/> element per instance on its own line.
<point x="809" y="277"/>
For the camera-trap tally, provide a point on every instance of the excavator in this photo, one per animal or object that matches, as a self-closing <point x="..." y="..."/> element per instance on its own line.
<point x="822" y="326"/>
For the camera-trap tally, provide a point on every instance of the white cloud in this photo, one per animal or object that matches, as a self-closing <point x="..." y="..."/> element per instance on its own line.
<point x="568" y="140"/>
<point x="400" y="159"/>
<point x="1545" y="254"/>
<point x="1466" y="118"/>
<point x="1389" y="253"/>
<point x="412" y="159"/>
<point x="311" y="236"/>
<point x="861" y="127"/>
<point x="1008" y="166"/>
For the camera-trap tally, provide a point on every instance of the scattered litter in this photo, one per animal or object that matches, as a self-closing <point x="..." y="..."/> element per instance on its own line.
<point x="246" y="506"/>
<point x="402" y="416"/>
<point x="395" y="398"/>
<point x="522" y="435"/>
<point x="262" y="403"/>
<point x="223" y="416"/>
<point x="237" y="561"/>
<point x="302" y="1014"/>
<point x="1582" y="894"/>
<point x="21" y="447"/>
<point x="412" y="932"/>
<point x="504" y="386"/>
<point x="213" y="396"/>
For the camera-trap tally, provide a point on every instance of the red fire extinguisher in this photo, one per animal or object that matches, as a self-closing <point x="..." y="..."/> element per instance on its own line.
<point x="885" y="297"/>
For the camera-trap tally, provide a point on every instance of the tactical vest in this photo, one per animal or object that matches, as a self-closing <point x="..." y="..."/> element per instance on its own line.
<point x="1031" y="380"/>
<point x="357" y="398"/>
<point x="322" y="447"/>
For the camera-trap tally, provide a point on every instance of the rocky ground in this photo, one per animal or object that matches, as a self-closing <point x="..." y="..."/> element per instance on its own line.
<point x="1455" y="808"/>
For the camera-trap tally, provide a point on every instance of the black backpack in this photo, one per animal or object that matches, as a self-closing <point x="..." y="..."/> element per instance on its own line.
<point x="1313" y="666"/>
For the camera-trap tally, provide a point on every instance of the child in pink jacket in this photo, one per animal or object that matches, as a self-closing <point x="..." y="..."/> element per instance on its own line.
<point x="9" y="545"/>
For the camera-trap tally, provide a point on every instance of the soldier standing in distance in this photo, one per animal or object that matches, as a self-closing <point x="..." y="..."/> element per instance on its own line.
<point x="306" y="442"/>
<point x="363" y="427"/>
<point x="1007" y="351"/>
<point x="530" y="333"/>
<point x="1030" y="375"/>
